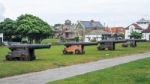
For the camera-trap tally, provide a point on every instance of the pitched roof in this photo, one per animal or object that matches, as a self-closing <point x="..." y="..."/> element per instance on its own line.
<point x="136" y="26"/>
<point x="98" y="32"/>
<point x="117" y="30"/>
<point x="147" y="30"/>
<point x="91" y="24"/>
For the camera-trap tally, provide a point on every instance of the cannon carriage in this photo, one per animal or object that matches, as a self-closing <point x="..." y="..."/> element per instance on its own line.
<point x="24" y="51"/>
<point x="132" y="42"/>
<point x="108" y="44"/>
<point x="76" y="47"/>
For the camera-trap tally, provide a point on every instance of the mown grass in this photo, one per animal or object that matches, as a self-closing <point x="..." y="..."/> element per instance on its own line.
<point x="52" y="41"/>
<point x="137" y="72"/>
<point x="52" y="58"/>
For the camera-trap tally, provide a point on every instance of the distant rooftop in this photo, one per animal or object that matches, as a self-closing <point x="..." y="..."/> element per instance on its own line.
<point x="136" y="26"/>
<point x="143" y="20"/>
<point x="91" y="24"/>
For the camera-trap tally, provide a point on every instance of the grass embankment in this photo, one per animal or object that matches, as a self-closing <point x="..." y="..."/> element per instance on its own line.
<point x="52" y="58"/>
<point x="137" y="72"/>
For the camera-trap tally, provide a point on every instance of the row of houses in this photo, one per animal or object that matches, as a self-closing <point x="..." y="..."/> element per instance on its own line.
<point x="94" y="30"/>
<point x="86" y="31"/>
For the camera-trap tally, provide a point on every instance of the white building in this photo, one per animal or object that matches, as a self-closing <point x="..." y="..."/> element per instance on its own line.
<point x="1" y="38"/>
<point x="146" y="33"/>
<point x="132" y="28"/>
<point x="98" y="35"/>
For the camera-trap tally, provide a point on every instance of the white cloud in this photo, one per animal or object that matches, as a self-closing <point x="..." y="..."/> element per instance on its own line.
<point x="112" y="12"/>
<point x="2" y="10"/>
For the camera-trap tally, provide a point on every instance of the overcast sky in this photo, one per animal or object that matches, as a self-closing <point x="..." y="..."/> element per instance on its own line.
<point x="111" y="12"/>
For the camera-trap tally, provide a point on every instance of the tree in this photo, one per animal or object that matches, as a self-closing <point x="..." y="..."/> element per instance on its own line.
<point x="136" y="35"/>
<point x="8" y="27"/>
<point x="33" y="27"/>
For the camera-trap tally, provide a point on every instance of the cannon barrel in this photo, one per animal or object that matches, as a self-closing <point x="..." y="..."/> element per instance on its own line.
<point x="80" y="43"/>
<point x="30" y="46"/>
<point x="137" y="40"/>
<point x="114" y="41"/>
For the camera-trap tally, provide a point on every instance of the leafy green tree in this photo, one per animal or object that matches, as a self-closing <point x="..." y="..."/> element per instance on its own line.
<point x="33" y="27"/>
<point x="136" y="35"/>
<point x="93" y="40"/>
<point x="8" y="27"/>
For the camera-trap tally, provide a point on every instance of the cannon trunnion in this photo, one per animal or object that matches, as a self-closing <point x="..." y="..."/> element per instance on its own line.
<point x="24" y="51"/>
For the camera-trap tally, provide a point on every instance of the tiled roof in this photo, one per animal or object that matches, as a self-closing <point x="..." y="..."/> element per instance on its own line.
<point x="147" y="30"/>
<point x="91" y="24"/>
<point x="136" y="26"/>
<point x="115" y="29"/>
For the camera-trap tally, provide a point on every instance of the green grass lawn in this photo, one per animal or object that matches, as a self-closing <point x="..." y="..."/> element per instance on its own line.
<point x="52" y="41"/>
<point x="52" y="58"/>
<point x="137" y="72"/>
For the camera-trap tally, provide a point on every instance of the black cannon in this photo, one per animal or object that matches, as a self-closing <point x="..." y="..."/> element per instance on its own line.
<point x="108" y="44"/>
<point x="24" y="51"/>
<point x="132" y="42"/>
<point x="76" y="47"/>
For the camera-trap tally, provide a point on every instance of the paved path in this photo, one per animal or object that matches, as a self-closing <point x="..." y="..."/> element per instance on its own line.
<point x="69" y="71"/>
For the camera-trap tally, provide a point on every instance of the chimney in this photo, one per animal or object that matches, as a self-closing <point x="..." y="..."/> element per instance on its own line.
<point x="92" y="21"/>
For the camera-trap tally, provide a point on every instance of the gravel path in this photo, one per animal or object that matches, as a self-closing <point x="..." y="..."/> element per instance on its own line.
<point x="69" y="71"/>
